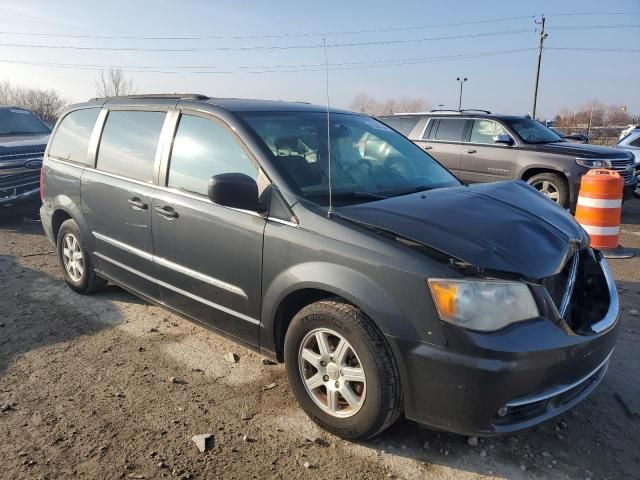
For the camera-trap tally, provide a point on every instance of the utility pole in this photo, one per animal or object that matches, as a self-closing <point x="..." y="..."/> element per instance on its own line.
<point x="461" y="80"/>
<point x="535" y="91"/>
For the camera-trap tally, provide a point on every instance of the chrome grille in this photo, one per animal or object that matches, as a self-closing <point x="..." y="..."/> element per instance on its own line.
<point x="624" y="166"/>
<point x="36" y="153"/>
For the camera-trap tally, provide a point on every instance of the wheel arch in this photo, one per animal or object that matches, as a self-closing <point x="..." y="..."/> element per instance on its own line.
<point x="532" y="171"/>
<point x="306" y="283"/>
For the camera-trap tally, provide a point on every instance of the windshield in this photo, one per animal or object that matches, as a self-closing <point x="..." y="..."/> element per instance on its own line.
<point x="16" y="121"/>
<point x="532" y="131"/>
<point x="369" y="161"/>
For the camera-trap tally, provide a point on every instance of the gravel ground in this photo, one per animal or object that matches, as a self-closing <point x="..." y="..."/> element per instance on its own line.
<point x="107" y="386"/>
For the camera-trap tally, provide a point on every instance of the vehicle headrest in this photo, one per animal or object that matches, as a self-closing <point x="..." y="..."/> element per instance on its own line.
<point x="286" y="142"/>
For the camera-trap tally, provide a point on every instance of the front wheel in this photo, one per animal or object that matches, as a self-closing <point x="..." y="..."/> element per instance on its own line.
<point x="342" y="370"/>
<point x="552" y="186"/>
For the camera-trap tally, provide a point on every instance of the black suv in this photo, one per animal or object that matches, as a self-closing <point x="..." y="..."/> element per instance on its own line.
<point x="385" y="285"/>
<point x="482" y="147"/>
<point x="23" y="138"/>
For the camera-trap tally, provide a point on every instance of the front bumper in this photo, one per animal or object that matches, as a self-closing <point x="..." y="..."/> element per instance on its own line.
<point x="505" y="381"/>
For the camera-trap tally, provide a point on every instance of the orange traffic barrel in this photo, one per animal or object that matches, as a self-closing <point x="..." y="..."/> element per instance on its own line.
<point x="599" y="207"/>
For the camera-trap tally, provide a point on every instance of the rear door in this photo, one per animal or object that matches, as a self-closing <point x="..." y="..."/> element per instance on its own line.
<point x="442" y="139"/>
<point x="208" y="257"/>
<point x="117" y="197"/>
<point x="482" y="160"/>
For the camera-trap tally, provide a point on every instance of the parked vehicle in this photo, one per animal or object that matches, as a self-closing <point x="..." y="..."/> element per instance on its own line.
<point x="482" y="147"/>
<point x="631" y="143"/>
<point x="628" y="130"/>
<point x="391" y="289"/>
<point x="572" y="137"/>
<point x="23" y="138"/>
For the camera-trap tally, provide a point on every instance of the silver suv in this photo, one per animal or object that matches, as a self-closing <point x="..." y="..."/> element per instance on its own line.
<point x="479" y="146"/>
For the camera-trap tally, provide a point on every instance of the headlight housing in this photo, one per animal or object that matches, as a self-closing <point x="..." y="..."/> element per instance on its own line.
<point x="482" y="305"/>
<point x="593" y="163"/>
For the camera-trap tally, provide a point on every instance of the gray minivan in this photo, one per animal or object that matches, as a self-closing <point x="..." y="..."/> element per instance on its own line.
<point x="385" y="285"/>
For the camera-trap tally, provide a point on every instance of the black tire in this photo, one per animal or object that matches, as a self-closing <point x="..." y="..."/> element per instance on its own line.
<point x="88" y="282"/>
<point x="383" y="402"/>
<point x="558" y="183"/>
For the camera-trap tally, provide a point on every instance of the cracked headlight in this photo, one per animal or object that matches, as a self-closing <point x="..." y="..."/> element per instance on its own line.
<point x="482" y="305"/>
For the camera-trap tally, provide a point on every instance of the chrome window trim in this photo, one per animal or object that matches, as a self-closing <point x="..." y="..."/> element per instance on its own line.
<point x="571" y="283"/>
<point x="64" y="161"/>
<point x="284" y="222"/>
<point x="554" y="392"/>
<point x="172" y="266"/>
<point x="178" y="290"/>
<point x="614" y="304"/>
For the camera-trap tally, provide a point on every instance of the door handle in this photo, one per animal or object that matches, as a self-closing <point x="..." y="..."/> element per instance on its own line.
<point x="166" y="212"/>
<point x="136" y="203"/>
<point x="427" y="147"/>
<point x="471" y="151"/>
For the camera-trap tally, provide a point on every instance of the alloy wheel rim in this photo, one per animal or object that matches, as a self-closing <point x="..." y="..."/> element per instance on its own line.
<point x="332" y="373"/>
<point x="72" y="257"/>
<point x="547" y="189"/>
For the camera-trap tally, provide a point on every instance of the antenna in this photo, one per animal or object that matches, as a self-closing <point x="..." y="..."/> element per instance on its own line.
<point x="326" y="68"/>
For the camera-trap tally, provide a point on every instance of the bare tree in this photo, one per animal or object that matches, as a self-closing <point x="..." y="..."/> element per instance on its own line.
<point x="46" y="104"/>
<point x="363" y="103"/>
<point x="114" y="83"/>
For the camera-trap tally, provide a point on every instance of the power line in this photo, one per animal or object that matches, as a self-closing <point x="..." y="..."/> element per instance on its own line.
<point x="273" y="47"/>
<point x="582" y="14"/>
<point x="275" y="68"/>
<point x="592" y="27"/>
<point x="596" y="49"/>
<point x="272" y="35"/>
<point x="302" y="67"/>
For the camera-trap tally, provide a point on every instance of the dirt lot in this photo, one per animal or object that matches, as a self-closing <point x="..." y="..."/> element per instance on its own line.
<point x="88" y="382"/>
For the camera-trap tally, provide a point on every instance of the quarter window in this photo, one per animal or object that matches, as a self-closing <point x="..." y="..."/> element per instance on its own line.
<point x="71" y="140"/>
<point x="449" y="129"/>
<point x="635" y="143"/>
<point x="129" y="143"/>
<point x="402" y="124"/>
<point x="203" y="148"/>
<point x="483" y="131"/>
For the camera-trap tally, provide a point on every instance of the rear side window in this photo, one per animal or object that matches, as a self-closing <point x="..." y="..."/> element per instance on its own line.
<point x="448" y="129"/>
<point x="71" y="140"/>
<point x="203" y="148"/>
<point x="129" y="143"/>
<point x="402" y="124"/>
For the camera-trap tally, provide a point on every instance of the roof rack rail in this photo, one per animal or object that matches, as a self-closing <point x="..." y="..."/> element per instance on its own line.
<point x="464" y="110"/>
<point x="170" y="96"/>
<point x="444" y="110"/>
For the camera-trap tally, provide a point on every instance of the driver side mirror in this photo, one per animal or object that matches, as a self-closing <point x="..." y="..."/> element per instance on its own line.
<point x="235" y="190"/>
<point x="503" y="139"/>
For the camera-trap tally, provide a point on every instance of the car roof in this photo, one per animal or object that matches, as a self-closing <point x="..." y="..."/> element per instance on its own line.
<point x="229" y="104"/>
<point x="454" y="114"/>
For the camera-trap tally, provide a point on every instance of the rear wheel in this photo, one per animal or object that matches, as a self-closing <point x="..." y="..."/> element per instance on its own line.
<point x="342" y="370"/>
<point x="552" y="186"/>
<point x="77" y="268"/>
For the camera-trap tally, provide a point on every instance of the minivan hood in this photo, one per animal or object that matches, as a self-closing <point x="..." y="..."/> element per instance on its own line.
<point x="504" y="226"/>
<point x="579" y="150"/>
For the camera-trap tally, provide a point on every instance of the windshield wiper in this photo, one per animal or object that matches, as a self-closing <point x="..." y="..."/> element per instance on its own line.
<point x="407" y="191"/>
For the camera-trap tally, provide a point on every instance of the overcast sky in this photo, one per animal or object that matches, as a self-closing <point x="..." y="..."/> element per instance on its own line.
<point x="393" y="58"/>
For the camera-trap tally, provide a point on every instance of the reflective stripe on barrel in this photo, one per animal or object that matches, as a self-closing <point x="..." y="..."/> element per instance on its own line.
<point x="599" y="207"/>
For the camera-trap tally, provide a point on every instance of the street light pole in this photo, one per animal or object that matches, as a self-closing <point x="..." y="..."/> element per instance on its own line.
<point x="540" y="46"/>
<point x="461" y="80"/>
